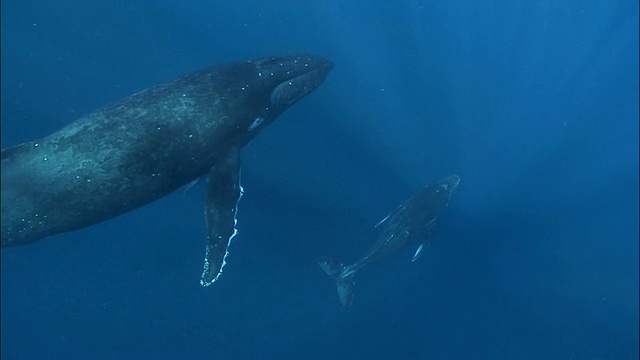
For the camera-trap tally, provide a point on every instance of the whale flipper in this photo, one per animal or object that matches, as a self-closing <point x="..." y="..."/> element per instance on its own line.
<point x="418" y="252"/>
<point x="221" y="205"/>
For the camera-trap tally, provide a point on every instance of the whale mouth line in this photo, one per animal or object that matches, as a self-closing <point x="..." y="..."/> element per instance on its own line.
<point x="298" y="87"/>
<point x="289" y="91"/>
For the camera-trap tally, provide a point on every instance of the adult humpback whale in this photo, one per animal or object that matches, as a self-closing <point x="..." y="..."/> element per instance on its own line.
<point x="415" y="217"/>
<point x="147" y="145"/>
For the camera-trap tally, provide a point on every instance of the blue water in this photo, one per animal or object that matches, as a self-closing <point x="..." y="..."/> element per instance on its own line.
<point x="534" y="104"/>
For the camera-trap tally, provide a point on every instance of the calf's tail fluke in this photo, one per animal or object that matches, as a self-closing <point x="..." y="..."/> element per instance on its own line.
<point x="343" y="277"/>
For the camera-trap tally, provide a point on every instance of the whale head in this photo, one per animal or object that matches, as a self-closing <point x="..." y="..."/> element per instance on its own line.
<point x="250" y="95"/>
<point x="290" y="78"/>
<point x="264" y="88"/>
<point x="439" y="194"/>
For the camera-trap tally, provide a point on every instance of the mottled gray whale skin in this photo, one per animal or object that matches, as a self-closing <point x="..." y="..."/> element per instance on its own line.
<point x="141" y="148"/>
<point x="415" y="218"/>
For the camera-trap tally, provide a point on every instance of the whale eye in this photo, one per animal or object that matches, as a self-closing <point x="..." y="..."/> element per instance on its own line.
<point x="255" y="123"/>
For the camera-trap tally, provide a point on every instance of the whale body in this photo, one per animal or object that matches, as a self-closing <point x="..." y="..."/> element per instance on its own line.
<point x="415" y="218"/>
<point x="141" y="148"/>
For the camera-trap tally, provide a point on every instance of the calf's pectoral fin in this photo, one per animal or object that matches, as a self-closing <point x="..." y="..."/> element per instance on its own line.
<point x="418" y="252"/>
<point x="221" y="204"/>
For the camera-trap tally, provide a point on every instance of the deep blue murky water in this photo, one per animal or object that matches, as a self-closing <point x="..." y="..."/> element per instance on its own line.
<point x="533" y="104"/>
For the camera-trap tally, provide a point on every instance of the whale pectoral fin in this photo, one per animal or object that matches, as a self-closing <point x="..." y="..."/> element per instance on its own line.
<point x="418" y="252"/>
<point x="382" y="221"/>
<point x="221" y="204"/>
<point x="428" y="231"/>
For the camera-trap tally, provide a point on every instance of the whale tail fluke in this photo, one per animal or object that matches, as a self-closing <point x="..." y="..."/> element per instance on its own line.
<point x="343" y="277"/>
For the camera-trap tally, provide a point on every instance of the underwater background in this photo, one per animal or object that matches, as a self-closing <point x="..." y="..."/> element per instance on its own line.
<point x="533" y="104"/>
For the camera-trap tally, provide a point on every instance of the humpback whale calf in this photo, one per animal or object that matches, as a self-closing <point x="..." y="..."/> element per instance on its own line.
<point x="143" y="147"/>
<point x="415" y="218"/>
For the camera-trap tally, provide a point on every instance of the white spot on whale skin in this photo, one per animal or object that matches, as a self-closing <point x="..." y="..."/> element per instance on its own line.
<point x="255" y="123"/>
